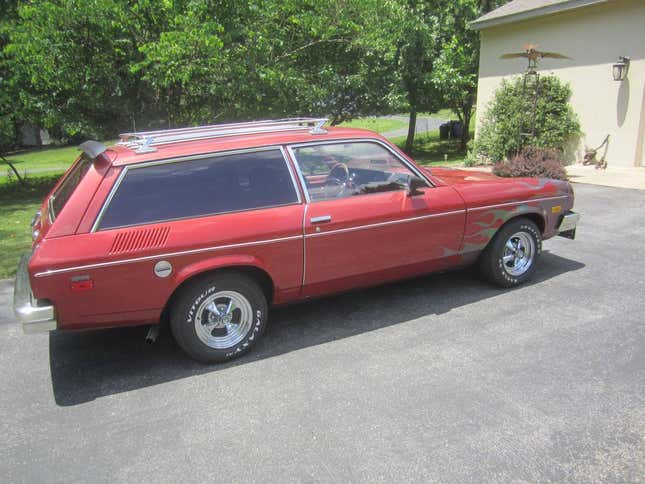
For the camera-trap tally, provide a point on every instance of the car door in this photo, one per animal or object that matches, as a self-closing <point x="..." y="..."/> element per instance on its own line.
<point x="361" y="224"/>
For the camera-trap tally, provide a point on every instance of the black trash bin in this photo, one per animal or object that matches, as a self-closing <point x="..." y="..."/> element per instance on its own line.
<point x="444" y="130"/>
<point x="456" y="129"/>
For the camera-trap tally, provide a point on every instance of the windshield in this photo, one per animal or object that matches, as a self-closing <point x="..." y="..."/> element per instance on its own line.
<point x="58" y="200"/>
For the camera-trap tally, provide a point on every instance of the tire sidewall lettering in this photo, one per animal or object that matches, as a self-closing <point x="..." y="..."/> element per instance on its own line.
<point x="257" y="327"/>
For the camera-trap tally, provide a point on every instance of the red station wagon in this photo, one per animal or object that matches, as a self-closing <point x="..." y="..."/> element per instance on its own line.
<point x="207" y="227"/>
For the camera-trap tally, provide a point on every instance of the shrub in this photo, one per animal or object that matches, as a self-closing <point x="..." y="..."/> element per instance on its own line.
<point x="533" y="162"/>
<point x="555" y="122"/>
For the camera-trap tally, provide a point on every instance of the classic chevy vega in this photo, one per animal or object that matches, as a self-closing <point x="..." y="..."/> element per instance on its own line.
<point x="208" y="227"/>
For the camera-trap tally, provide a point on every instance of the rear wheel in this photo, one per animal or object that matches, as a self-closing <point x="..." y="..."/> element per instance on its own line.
<point x="510" y="258"/>
<point x="219" y="318"/>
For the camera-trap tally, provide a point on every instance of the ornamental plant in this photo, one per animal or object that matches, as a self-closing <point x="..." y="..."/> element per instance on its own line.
<point x="532" y="162"/>
<point x="511" y="108"/>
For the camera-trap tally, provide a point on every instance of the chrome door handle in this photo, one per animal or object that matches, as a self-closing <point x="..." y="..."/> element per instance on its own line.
<point x="321" y="219"/>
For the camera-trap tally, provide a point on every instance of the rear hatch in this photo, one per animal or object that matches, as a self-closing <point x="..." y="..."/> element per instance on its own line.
<point x="58" y="197"/>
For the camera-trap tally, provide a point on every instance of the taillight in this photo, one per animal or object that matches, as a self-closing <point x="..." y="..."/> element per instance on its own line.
<point x="36" y="218"/>
<point x="81" y="283"/>
<point x="35" y="225"/>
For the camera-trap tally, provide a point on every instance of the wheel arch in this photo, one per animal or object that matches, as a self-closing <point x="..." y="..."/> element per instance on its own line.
<point x="257" y="273"/>
<point x="535" y="217"/>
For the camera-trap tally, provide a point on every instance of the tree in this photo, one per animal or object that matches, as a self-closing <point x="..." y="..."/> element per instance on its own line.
<point x="417" y="48"/>
<point x="457" y="65"/>
<point x="69" y="60"/>
<point x="7" y="127"/>
<point x="7" y="105"/>
<point x="256" y="59"/>
<point x="116" y="64"/>
<point x="455" y="74"/>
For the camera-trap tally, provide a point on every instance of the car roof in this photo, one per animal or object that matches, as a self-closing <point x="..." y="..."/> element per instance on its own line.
<point x="122" y="155"/>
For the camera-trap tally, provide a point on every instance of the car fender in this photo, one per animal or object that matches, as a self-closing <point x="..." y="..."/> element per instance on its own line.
<point x="483" y="224"/>
<point x="215" y="263"/>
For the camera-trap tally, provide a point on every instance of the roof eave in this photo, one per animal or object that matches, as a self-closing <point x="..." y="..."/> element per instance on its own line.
<point x="529" y="14"/>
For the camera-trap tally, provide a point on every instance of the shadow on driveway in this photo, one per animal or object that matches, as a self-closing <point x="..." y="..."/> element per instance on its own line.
<point x="93" y="364"/>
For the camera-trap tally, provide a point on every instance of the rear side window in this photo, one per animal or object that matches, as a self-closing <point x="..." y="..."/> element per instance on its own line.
<point x="208" y="186"/>
<point x="58" y="200"/>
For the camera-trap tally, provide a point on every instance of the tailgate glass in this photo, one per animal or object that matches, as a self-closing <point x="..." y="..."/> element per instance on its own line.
<point x="58" y="200"/>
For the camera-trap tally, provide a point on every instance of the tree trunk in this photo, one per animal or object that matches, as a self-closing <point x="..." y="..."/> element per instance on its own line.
<point x="465" y="132"/>
<point x="412" y="128"/>
<point x="22" y="182"/>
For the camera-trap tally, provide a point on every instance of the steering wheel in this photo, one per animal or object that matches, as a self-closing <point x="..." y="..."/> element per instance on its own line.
<point x="339" y="172"/>
<point x="337" y="179"/>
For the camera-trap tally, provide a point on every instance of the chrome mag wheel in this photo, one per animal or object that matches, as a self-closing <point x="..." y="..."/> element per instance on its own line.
<point x="223" y="319"/>
<point x="519" y="252"/>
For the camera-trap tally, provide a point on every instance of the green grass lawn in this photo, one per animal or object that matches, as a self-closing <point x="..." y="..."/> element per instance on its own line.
<point x="380" y="125"/>
<point x="17" y="207"/>
<point x="428" y="149"/>
<point x="53" y="160"/>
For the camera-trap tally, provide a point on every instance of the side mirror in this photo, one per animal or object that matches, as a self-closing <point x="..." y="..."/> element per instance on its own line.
<point x="415" y="186"/>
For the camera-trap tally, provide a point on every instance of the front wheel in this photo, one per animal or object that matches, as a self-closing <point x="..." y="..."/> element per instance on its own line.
<point x="219" y="318"/>
<point x="510" y="258"/>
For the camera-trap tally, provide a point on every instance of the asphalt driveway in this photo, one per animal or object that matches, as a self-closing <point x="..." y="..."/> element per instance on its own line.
<point x="441" y="378"/>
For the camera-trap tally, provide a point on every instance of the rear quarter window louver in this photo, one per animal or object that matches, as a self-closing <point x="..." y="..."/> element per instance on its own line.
<point x="133" y="240"/>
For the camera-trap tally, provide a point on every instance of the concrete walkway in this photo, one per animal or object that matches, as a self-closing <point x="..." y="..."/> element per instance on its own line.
<point x="616" y="177"/>
<point x="613" y="176"/>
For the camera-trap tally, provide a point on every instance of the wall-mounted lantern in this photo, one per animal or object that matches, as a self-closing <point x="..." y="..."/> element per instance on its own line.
<point x="620" y="68"/>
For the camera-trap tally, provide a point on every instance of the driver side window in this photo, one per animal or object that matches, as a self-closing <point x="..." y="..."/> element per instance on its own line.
<point x="347" y="169"/>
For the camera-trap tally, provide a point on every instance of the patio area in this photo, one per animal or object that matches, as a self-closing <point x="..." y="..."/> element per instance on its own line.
<point x="612" y="176"/>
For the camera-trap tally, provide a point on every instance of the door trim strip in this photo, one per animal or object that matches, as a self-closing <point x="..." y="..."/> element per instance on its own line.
<point x="166" y="255"/>
<point x="383" y="224"/>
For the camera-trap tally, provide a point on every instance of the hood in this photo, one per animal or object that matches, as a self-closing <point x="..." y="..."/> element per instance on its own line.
<point x="454" y="176"/>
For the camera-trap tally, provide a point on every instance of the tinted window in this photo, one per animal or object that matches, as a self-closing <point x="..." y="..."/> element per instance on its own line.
<point x="200" y="187"/>
<point x="69" y="184"/>
<point x="347" y="169"/>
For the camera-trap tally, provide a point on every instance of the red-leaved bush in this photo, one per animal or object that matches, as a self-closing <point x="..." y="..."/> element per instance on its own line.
<point x="533" y="162"/>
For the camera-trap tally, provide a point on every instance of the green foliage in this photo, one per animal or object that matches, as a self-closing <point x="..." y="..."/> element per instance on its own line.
<point x="69" y="61"/>
<point x="555" y="122"/>
<point x="7" y="112"/>
<point x="90" y="68"/>
<point x="455" y="72"/>
<point x="117" y="64"/>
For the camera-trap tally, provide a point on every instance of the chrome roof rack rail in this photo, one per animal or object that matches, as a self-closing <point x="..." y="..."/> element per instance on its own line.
<point x="145" y="141"/>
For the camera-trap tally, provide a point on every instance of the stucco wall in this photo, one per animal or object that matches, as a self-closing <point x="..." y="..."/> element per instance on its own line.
<point x="594" y="37"/>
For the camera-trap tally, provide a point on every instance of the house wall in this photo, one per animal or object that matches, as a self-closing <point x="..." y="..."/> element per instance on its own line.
<point x="594" y="37"/>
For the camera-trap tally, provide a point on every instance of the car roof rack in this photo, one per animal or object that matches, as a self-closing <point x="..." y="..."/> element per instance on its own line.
<point x="145" y="141"/>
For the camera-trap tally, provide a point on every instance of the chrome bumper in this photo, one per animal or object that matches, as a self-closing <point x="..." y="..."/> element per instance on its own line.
<point x="36" y="315"/>
<point x="567" y="227"/>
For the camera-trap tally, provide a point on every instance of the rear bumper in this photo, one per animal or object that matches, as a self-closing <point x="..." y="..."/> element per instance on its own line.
<point x="36" y="315"/>
<point x="568" y="224"/>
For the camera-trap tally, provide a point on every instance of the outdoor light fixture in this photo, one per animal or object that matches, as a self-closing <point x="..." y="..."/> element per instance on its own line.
<point x="620" y="68"/>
